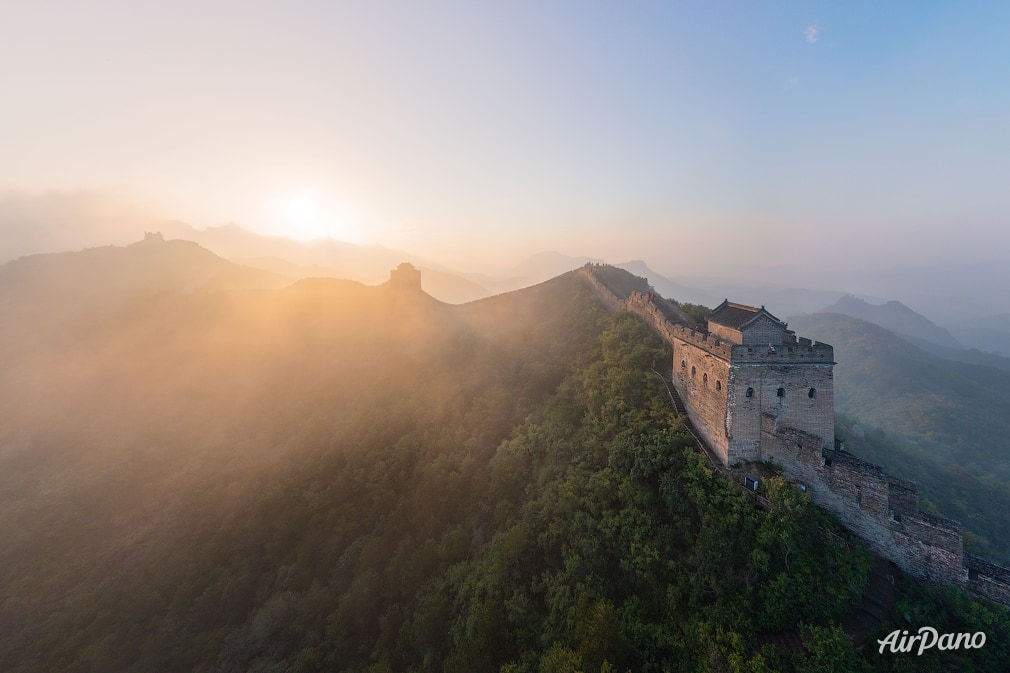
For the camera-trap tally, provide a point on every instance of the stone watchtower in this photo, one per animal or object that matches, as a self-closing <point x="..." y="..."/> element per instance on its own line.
<point x="405" y="277"/>
<point x="748" y="381"/>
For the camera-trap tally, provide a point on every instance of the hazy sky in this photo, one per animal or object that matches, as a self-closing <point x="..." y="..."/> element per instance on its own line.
<point x="799" y="135"/>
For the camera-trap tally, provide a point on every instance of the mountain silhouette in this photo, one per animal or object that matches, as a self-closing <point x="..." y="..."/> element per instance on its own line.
<point x="896" y="317"/>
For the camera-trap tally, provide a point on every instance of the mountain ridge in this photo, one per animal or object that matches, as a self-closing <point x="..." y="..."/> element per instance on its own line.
<point x="896" y="317"/>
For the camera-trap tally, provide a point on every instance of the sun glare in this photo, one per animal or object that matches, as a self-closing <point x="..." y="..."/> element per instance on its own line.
<point x="307" y="216"/>
<point x="301" y="219"/>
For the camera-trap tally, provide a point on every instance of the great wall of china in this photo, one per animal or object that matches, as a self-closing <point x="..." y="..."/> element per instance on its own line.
<point x="749" y="402"/>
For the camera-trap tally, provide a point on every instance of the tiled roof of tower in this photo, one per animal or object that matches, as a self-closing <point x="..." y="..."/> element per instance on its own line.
<point x="732" y="315"/>
<point x="736" y="316"/>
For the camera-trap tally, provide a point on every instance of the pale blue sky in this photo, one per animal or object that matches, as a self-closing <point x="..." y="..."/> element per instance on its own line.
<point x="876" y="133"/>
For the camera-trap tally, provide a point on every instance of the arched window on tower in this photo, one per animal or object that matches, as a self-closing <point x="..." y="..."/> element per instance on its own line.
<point x="750" y="392"/>
<point x="693" y="371"/>
<point x="704" y="378"/>
<point x="812" y="394"/>
<point x="718" y="385"/>
<point x="781" y="392"/>
<point x="683" y="364"/>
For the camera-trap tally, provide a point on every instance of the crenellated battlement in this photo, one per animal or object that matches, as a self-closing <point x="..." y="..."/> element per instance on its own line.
<point x="813" y="353"/>
<point x="709" y="343"/>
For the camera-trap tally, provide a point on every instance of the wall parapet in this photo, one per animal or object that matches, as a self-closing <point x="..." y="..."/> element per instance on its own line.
<point x="707" y="342"/>
<point x="811" y="353"/>
<point x="902" y="483"/>
<point x="830" y="456"/>
<point x="980" y="566"/>
<point x="940" y="522"/>
<point x="987" y="579"/>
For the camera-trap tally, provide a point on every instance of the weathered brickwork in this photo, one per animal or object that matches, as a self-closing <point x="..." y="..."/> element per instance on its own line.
<point x="764" y="330"/>
<point x="988" y="579"/>
<point x="932" y="547"/>
<point x="728" y="334"/>
<point x="903" y="496"/>
<point x="881" y="509"/>
<point x="754" y="391"/>
<point x="701" y="377"/>
<point x="795" y="393"/>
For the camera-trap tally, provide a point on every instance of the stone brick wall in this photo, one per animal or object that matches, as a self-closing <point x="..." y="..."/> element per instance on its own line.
<point x="864" y="485"/>
<point x="725" y="333"/>
<point x="799" y="454"/>
<point x="861" y="494"/>
<point x="701" y="378"/>
<point x="931" y="548"/>
<point x="763" y="331"/>
<point x="903" y="496"/>
<point x="794" y="395"/>
<point x="804" y="375"/>
<point x="988" y="579"/>
<point x="743" y="417"/>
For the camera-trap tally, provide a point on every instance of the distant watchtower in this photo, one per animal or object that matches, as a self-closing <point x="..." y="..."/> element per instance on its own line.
<point x="748" y="379"/>
<point x="405" y="277"/>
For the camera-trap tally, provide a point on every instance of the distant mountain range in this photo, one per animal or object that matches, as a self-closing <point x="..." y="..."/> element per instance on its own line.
<point x="989" y="333"/>
<point x="956" y="411"/>
<point x="447" y="287"/>
<point x="896" y="317"/>
<point x="369" y="264"/>
<point x="98" y="278"/>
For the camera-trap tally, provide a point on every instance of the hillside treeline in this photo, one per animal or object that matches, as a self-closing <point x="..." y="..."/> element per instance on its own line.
<point x="332" y="477"/>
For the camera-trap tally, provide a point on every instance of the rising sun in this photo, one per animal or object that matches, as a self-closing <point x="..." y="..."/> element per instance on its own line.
<point x="306" y="216"/>
<point x="301" y="219"/>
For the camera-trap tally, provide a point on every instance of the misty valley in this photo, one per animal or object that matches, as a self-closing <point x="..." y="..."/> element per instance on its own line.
<point x="205" y="466"/>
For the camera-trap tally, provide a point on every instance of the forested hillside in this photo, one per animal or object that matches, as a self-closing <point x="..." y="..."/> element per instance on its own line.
<point x="336" y="477"/>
